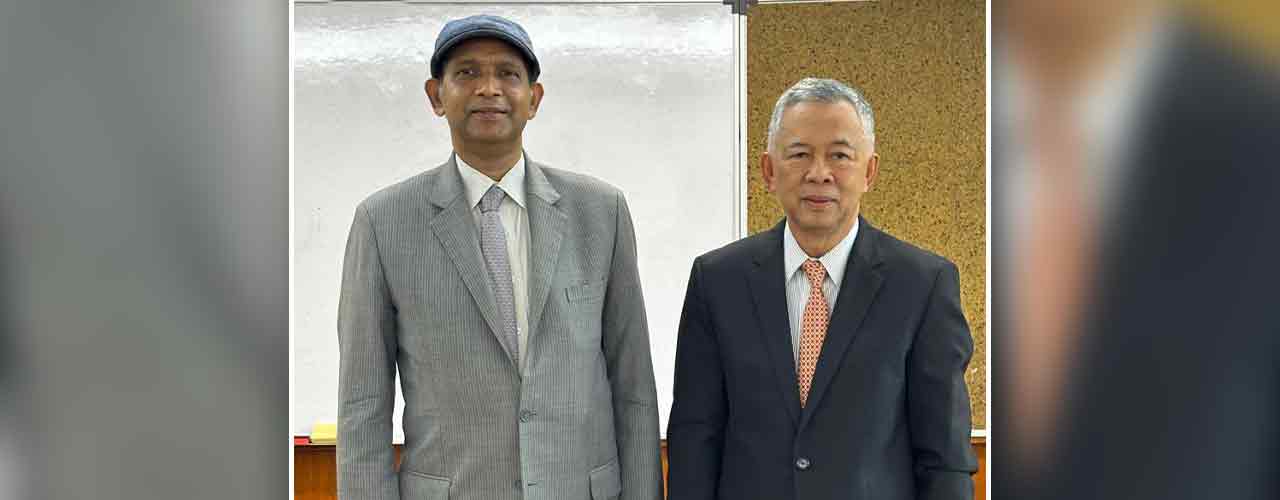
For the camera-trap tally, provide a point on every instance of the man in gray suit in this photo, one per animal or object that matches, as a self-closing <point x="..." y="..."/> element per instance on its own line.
<point x="507" y="295"/>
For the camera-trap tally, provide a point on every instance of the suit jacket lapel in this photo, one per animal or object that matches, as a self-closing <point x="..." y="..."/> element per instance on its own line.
<point x="768" y="290"/>
<point x="456" y="229"/>
<point x="546" y="231"/>
<point x="858" y="290"/>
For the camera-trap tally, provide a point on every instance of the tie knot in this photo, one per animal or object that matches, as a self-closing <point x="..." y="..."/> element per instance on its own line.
<point x="492" y="199"/>
<point x="814" y="271"/>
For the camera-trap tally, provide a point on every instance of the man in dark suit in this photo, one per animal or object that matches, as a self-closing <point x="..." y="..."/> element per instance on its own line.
<point x="822" y="358"/>
<point x="1169" y="384"/>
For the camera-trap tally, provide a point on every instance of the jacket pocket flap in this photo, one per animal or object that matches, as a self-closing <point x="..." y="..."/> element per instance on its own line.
<point x="419" y="486"/>
<point x="585" y="290"/>
<point x="605" y="482"/>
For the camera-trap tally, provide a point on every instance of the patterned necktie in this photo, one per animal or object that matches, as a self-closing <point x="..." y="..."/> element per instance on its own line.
<point x="813" y="328"/>
<point x="493" y="244"/>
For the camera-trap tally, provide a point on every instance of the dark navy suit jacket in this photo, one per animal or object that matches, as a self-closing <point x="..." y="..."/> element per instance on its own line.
<point x="888" y="413"/>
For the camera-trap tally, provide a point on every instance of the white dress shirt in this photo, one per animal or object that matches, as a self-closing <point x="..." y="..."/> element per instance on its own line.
<point x="515" y="224"/>
<point x="834" y="261"/>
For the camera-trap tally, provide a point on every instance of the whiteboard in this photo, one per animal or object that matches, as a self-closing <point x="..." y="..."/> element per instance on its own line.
<point x="640" y="96"/>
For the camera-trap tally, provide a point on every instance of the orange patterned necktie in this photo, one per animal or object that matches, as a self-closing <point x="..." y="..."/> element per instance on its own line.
<point x="813" y="327"/>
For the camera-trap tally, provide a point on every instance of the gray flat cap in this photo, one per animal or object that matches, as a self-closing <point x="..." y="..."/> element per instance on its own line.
<point x="483" y="26"/>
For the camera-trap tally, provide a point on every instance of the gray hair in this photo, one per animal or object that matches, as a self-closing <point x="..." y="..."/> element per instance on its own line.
<point x="822" y="90"/>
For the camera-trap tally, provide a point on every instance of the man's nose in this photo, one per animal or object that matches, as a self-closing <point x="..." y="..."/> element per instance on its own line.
<point x="819" y="172"/>
<point x="488" y="86"/>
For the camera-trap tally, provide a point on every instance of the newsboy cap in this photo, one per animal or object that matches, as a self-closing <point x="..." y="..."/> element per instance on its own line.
<point x="483" y="26"/>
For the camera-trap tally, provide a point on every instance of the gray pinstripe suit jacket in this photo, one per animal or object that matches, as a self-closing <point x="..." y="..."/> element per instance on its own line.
<point x="582" y="423"/>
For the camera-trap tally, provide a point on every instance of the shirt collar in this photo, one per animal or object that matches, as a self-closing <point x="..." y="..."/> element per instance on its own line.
<point x="477" y="184"/>
<point x="834" y="260"/>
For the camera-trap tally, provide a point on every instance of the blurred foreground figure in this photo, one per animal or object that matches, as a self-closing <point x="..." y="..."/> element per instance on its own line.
<point x="144" y="237"/>
<point x="1137" y="256"/>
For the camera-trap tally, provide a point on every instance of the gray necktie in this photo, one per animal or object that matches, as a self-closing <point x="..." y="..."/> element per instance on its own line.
<point x="493" y="244"/>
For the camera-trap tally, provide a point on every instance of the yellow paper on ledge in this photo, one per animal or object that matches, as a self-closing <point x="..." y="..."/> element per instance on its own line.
<point x="324" y="433"/>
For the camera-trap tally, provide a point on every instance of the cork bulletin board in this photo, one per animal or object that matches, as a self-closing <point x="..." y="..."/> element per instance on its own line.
<point x="922" y="65"/>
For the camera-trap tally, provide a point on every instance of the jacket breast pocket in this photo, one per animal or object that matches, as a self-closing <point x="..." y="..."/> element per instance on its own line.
<point x="584" y="312"/>
<point x="606" y="484"/>
<point x="585" y="291"/>
<point x="419" y="486"/>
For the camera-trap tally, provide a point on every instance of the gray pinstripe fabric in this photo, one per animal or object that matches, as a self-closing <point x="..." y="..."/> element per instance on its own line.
<point x="582" y="422"/>
<point x="493" y="244"/>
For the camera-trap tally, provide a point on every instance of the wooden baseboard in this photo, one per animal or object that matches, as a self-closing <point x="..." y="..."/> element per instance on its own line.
<point x="315" y="470"/>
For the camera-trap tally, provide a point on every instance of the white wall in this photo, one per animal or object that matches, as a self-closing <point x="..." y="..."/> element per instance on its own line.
<point x="641" y="96"/>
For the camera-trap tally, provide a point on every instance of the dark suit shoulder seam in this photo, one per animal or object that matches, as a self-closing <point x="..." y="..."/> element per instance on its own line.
<point x="928" y="306"/>
<point x="705" y="313"/>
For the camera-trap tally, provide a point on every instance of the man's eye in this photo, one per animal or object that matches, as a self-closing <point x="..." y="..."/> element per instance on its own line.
<point x="840" y="156"/>
<point x="798" y="155"/>
<point x="465" y="72"/>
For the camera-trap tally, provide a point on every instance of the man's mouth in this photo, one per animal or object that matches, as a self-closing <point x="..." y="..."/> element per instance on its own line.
<point x="488" y="113"/>
<point x="818" y="201"/>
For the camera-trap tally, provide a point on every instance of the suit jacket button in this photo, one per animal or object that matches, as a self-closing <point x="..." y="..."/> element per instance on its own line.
<point x="802" y="463"/>
<point x="525" y="415"/>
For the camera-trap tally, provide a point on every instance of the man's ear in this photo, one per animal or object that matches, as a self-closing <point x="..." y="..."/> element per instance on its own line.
<point x="433" y="94"/>
<point x="536" y="88"/>
<point x="766" y="172"/>
<point x="873" y="169"/>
